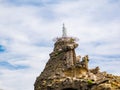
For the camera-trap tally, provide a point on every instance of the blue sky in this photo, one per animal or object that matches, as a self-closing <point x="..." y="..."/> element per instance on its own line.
<point x="27" y="28"/>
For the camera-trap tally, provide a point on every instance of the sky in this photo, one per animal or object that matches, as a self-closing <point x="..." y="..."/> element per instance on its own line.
<point x="28" y="27"/>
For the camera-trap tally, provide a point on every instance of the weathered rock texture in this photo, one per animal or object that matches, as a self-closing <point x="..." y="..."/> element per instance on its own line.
<point x="66" y="71"/>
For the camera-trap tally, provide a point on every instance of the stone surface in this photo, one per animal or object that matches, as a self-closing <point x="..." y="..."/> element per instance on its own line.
<point x="66" y="71"/>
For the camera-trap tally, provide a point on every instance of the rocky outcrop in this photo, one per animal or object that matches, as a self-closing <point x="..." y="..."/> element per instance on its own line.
<point x="66" y="71"/>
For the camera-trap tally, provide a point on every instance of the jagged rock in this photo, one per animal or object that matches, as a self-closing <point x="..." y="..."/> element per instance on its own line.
<point x="95" y="71"/>
<point x="65" y="71"/>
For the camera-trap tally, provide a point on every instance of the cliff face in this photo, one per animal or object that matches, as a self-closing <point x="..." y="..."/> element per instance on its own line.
<point x="66" y="71"/>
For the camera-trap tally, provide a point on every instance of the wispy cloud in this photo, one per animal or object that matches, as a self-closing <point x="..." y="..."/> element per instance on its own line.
<point x="10" y="66"/>
<point x="27" y="28"/>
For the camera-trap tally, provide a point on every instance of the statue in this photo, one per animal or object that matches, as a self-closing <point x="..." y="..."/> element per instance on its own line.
<point x="64" y="31"/>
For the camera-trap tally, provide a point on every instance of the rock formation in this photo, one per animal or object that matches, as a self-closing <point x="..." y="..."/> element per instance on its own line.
<point x="66" y="71"/>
